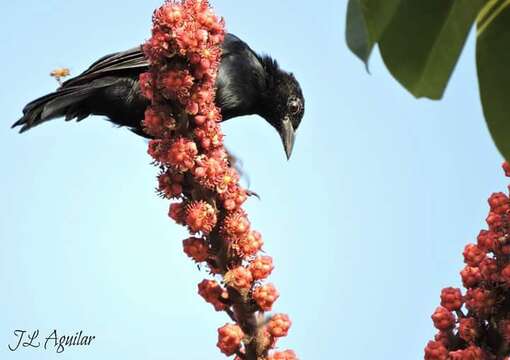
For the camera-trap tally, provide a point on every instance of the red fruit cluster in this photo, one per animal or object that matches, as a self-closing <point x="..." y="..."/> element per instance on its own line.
<point x="170" y="185"/>
<point x="476" y="324"/>
<point x="229" y="338"/>
<point x="209" y="171"/>
<point x="451" y="299"/>
<point x="443" y="319"/>
<point x="261" y="267"/>
<point x="265" y="296"/>
<point x="175" y="85"/>
<point x="473" y="255"/>
<point x="471" y="352"/>
<point x="435" y="350"/>
<point x="239" y="278"/>
<point x="196" y="248"/>
<point x="208" y="135"/>
<point x="251" y="244"/>
<point x="158" y="121"/>
<point x="213" y="293"/>
<point x="468" y="329"/>
<point x="183" y="120"/>
<point x="279" y="325"/>
<point x="181" y="154"/>
<point x="176" y="212"/>
<point x="471" y="276"/>
<point x="506" y="168"/>
<point x="236" y="226"/>
<point x="283" y="355"/>
<point x="146" y="87"/>
<point x="200" y="216"/>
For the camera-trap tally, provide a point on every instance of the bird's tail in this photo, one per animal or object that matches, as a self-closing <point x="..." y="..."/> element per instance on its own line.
<point x="71" y="102"/>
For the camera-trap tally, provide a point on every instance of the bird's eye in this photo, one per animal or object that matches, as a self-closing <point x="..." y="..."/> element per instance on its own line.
<point x="294" y="107"/>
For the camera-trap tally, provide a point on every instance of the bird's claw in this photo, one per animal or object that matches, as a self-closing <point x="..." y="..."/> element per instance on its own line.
<point x="252" y="193"/>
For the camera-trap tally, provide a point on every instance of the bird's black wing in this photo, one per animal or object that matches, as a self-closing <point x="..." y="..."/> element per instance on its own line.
<point x="133" y="61"/>
<point x="108" y="87"/>
<point x="117" y="62"/>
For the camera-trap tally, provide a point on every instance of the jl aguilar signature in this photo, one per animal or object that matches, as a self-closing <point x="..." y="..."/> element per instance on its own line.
<point x="59" y="343"/>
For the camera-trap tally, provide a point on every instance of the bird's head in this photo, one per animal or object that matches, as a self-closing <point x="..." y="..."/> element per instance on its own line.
<point x="284" y="103"/>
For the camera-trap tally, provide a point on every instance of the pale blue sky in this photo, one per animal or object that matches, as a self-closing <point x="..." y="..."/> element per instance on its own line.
<point x="366" y="223"/>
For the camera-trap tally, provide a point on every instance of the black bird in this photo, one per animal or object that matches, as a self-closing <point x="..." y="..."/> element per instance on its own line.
<point x="247" y="83"/>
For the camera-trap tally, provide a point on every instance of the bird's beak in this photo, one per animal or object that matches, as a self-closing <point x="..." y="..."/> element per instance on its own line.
<point x="287" y="134"/>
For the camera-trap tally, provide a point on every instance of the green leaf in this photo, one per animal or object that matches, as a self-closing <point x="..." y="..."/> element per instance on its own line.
<point x="422" y="44"/>
<point x="493" y="64"/>
<point x="365" y="23"/>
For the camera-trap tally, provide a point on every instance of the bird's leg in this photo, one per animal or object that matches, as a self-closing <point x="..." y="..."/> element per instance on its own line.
<point x="252" y="193"/>
<point x="237" y="164"/>
<point x="234" y="162"/>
